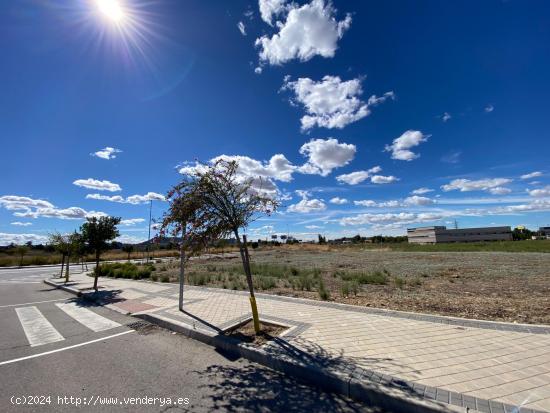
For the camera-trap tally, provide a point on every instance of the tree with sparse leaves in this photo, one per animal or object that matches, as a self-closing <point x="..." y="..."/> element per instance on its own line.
<point x="188" y="219"/>
<point x="96" y="232"/>
<point x="21" y="250"/>
<point x="231" y="203"/>
<point x="61" y="244"/>
<point x="128" y="249"/>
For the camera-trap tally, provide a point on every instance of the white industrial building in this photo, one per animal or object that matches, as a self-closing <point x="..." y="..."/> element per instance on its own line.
<point x="438" y="234"/>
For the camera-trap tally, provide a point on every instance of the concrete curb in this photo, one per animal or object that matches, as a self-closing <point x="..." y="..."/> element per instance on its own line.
<point x="74" y="291"/>
<point x="351" y="382"/>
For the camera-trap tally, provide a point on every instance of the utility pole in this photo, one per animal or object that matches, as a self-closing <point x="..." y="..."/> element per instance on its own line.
<point x="149" y="236"/>
<point x="456" y="224"/>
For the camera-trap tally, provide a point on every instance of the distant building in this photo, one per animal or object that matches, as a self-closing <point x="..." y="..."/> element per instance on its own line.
<point x="437" y="234"/>
<point x="544" y="232"/>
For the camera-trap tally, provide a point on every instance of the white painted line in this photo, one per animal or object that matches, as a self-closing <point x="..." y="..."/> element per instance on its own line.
<point x="19" y="282"/>
<point x="37" y="328"/>
<point x="64" y="348"/>
<point x="92" y="320"/>
<point x="34" y="302"/>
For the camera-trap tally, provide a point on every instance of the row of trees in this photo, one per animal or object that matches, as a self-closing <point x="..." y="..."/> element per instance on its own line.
<point x="93" y="237"/>
<point x="211" y="204"/>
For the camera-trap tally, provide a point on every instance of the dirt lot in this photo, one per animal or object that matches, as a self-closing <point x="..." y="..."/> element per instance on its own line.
<point x="484" y="285"/>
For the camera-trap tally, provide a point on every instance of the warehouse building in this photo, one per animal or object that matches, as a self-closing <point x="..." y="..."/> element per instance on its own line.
<point x="437" y="234"/>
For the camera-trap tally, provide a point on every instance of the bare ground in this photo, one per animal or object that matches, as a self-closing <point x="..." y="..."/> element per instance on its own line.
<point x="501" y="286"/>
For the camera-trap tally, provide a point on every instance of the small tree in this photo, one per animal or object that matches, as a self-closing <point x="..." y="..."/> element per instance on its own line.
<point x="96" y="232"/>
<point x="128" y="249"/>
<point x="233" y="202"/>
<point x="187" y="217"/>
<point x="61" y="244"/>
<point x="21" y="250"/>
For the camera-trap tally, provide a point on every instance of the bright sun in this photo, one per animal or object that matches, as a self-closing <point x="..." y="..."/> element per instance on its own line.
<point x="111" y="9"/>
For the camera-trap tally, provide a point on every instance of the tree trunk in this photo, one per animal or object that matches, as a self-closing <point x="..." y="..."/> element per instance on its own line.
<point x="96" y="269"/>
<point x="21" y="260"/>
<point x="182" y="274"/>
<point x="62" y="265"/>
<point x="246" y="265"/>
<point x="67" y="270"/>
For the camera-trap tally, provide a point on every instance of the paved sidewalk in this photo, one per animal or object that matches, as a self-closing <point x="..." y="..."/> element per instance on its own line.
<point x="486" y="366"/>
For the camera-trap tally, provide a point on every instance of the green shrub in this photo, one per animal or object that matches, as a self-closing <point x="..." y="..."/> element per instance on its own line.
<point x="399" y="282"/>
<point x="164" y="278"/>
<point x="376" y="277"/>
<point x="154" y="277"/>
<point x="324" y="294"/>
<point x="265" y="283"/>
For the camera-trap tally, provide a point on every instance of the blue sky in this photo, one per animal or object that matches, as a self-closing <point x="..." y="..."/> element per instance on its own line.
<point x="364" y="117"/>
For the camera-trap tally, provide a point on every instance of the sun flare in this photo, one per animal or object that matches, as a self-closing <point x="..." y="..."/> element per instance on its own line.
<point x="111" y="9"/>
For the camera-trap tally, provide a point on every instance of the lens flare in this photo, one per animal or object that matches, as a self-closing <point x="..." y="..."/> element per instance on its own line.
<point x="111" y="9"/>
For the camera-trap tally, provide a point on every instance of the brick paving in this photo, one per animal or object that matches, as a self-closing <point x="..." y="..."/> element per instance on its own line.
<point x="488" y="366"/>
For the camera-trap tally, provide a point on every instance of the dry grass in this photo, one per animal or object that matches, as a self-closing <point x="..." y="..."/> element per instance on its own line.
<point x="485" y="285"/>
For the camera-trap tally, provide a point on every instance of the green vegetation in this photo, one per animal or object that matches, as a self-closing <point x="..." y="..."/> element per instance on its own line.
<point x="324" y="294"/>
<point x="266" y="276"/>
<point x="375" y="277"/>
<point x="501" y="246"/>
<point x="125" y="270"/>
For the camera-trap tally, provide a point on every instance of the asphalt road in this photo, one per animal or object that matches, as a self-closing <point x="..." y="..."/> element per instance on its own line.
<point x="102" y="359"/>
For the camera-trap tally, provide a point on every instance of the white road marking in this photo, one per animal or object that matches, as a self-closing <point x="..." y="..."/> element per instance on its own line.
<point x="37" y="328"/>
<point x="64" y="348"/>
<point x="92" y="320"/>
<point x="34" y="302"/>
<point x="19" y="282"/>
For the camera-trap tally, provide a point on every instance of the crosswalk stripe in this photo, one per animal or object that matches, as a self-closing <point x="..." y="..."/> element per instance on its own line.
<point x="92" y="320"/>
<point x="37" y="328"/>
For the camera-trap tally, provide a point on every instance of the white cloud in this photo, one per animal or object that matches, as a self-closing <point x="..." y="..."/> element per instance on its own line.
<point x="366" y="203"/>
<point x="540" y="192"/>
<point x="91" y="183"/>
<point x="421" y="191"/>
<point x="271" y="8"/>
<point x="307" y="205"/>
<point x="384" y="204"/>
<point x="338" y="201"/>
<point x="357" y="177"/>
<point x="107" y="153"/>
<point x="131" y="221"/>
<point x="446" y="116"/>
<point x="499" y="190"/>
<point x="400" y="148"/>
<point x="133" y="199"/>
<point x="380" y="179"/>
<point x="128" y="239"/>
<point x="19" y="239"/>
<point x="63" y="213"/>
<point x="114" y="198"/>
<point x="309" y="30"/>
<point x="16" y="203"/>
<point x="535" y="174"/>
<point x="331" y="102"/>
<point x="418" y="200"/>
<point x="467" y="185"/>
<point x="489" y="108"/>
<point x="401" y="218"/>
<point x="34" y="208"/>
<point x="324" y="155"/>
<point x="242" y="29"/>
<point x="21" y="224"/>
<point x="313" y="227"/>
<point x="452" y="157"/>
